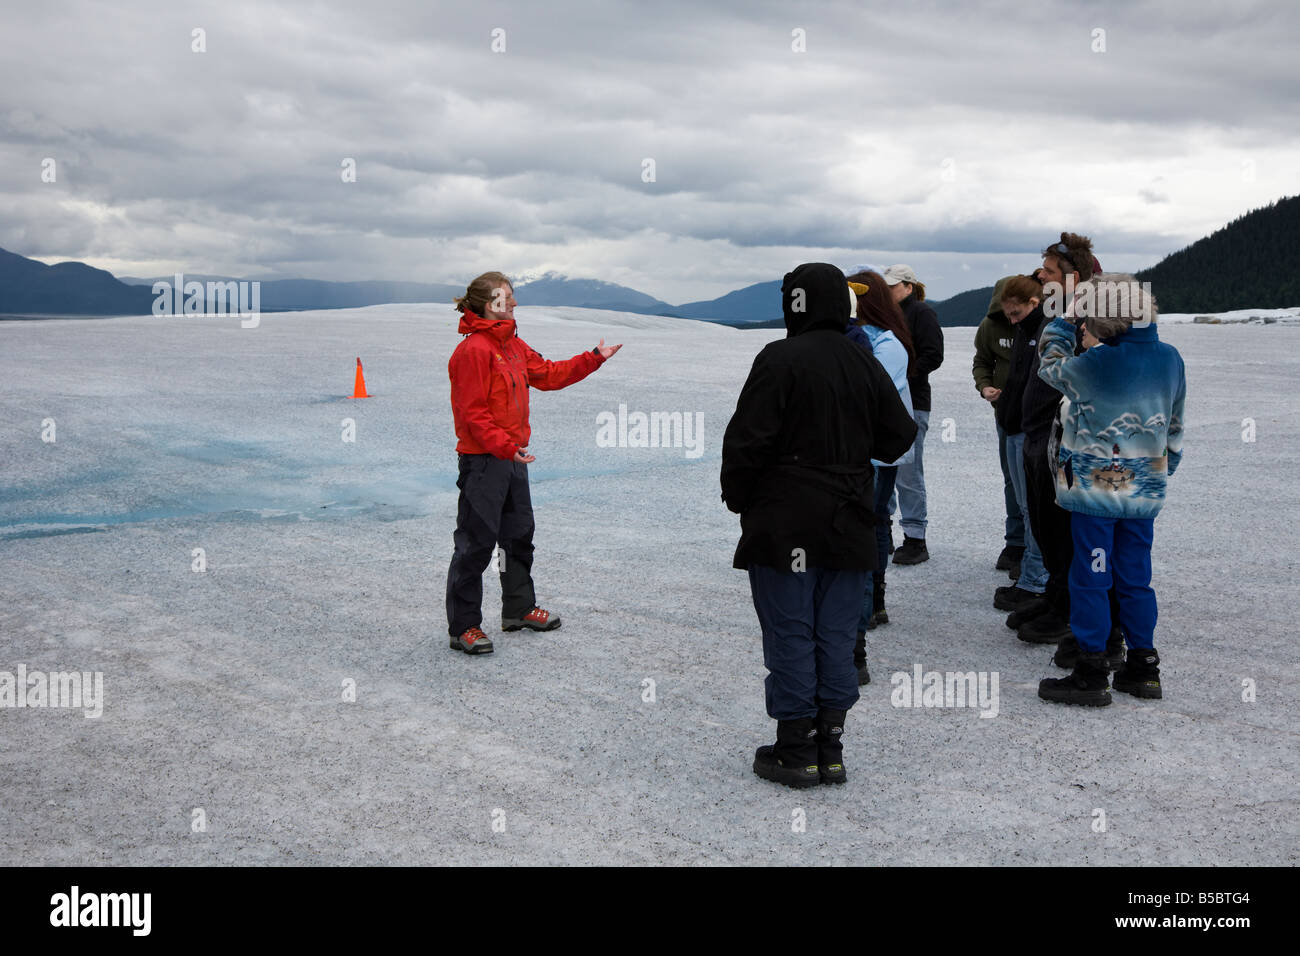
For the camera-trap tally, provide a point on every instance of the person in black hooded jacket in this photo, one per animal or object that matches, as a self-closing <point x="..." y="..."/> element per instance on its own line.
<point x="796" y="466"/>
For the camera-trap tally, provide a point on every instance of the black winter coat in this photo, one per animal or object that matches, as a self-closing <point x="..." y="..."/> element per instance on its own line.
<point x="1010" y="403"/>
<point x="796" y="455"/>
<point x="1038" y="408"/>
<point x="927" y="342"/>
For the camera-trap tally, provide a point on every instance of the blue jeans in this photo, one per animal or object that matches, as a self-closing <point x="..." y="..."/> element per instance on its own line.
<point x="807" y="619"/>
<point x="1033" y="575"/>
<point x="1015" y="533"/>
<point x="885" y="476"/>
<point x="911" y="484"/>
<point x="1106" y="551"/>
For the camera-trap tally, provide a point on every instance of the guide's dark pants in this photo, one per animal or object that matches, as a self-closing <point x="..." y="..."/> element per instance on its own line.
<point x="1050" y="525"/>
<point x="809" y="621"/>
<point x="494" y="507"/>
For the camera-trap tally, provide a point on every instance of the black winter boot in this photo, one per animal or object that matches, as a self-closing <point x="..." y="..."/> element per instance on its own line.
<point x="830" y="752"/>
<point x="1140" y="674"/>
<point x="860" y="659"/>
<point x="1115" y="648"/>
<point x="1012" y="598"/>
<point x="1027" y="612"/>
<point x="1085" y="685"/>
<point x="792" y="760"/>
<point x="1067" y="653"/>
<point x="879" y="615"/>
<point x="1045" y="629"/>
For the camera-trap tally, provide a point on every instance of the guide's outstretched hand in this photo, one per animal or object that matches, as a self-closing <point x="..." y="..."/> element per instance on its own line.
<point x="606" y="352"/>
<point x="523" y="457"/>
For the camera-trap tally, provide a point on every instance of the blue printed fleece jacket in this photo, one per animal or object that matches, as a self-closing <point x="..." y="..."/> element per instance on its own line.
<point x="1122" y="420"/>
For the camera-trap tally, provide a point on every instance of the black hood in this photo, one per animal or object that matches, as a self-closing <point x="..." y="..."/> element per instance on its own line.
<point x="823" y="299"/>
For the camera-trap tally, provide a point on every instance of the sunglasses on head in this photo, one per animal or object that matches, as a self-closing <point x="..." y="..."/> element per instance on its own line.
<point x="1063" y="251"/>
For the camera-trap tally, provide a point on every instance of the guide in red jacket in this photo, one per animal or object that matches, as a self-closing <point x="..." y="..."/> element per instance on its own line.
<point x="491" y="371"/>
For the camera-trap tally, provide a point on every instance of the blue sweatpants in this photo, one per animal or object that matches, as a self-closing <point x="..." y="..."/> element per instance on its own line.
<point x="1106" y="551"/>
<point x="809" y="621"/>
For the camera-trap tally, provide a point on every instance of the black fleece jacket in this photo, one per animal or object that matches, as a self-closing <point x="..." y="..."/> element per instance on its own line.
<point x="927" y="341"/>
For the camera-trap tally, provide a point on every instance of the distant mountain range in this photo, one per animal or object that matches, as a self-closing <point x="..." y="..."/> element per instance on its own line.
<point x="1253" y="262"/>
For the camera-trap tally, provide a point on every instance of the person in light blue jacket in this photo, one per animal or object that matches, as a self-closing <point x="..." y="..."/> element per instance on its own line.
<point x="1121" y="437"/>
<point x="877" y="324"/>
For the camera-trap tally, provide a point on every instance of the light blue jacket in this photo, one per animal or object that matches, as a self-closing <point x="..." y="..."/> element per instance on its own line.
<point x="1122" y="420"/>
<point x="890" y="353"/>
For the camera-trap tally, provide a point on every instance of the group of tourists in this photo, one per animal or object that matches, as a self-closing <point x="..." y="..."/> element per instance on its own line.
<point x="827" y="441"/>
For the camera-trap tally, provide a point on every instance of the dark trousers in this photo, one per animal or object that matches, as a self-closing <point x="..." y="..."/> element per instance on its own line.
<point x="885" y="478"/>
<point x="808" y="620"/>
<point x="1015" y="524"/>
<point x="494" y="507"/>
<point x="1050" y="525"/>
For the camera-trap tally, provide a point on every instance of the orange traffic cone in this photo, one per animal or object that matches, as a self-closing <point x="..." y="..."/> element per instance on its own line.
<point x="359" y="390"/>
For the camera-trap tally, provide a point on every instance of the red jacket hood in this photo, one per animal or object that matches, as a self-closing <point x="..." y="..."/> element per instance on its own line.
<point x="499" y="329"/>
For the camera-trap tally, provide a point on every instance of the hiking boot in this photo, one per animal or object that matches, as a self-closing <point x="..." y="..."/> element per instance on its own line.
<point x="1115" y="649"/>
<point x="830" y="752"/>
<point x="860" y="659"/>
<point x="1067" y="653"/>
<point x="1085" y="685"/>
<point x="473" y="641"/>
<point x="534" y="620"/>
<point x="912" y="551"/>
<point x="1027" y="612"/>
<point x="1011" y="554"/>
<point x="1012" y="598"/>
<point x="1045" y="629"/>
<point x="792" y="760"/>
<point x="1140" y="674"/>
<point x="1014" y="571"/>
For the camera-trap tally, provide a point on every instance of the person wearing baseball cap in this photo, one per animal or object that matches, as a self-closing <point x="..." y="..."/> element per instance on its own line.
<point x="927" y="339"/>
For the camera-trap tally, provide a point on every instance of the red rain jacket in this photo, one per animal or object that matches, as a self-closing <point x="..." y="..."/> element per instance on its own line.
<point x="490" y="373"/>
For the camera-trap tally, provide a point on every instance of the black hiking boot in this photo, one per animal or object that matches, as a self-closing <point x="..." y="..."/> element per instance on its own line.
<point x="912" y="552"/>
<point x="1012" y="598"/>
<point x="1027" y="612"/>
<point x="830" y="751"/>
<point x="1045" y="629"/>
<point x="1014" y="571"/>
<point x="1085" y="685"/>
<point x="1140" y="674"/>
<point x="1010" y="555"/>
<point x="792" y="760"/>
<point x="860" y="659"/>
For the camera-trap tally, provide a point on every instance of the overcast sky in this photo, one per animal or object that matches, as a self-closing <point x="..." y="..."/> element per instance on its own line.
<point x="957" y="137"/>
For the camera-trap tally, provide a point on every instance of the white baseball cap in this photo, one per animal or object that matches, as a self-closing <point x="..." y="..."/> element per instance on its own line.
<point x="900" y="273"/>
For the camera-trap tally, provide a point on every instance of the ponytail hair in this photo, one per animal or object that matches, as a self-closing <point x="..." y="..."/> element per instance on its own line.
<point x="479" y="293"/>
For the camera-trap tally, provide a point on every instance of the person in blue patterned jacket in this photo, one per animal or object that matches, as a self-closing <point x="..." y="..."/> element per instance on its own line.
<point x="1121" y="437"/>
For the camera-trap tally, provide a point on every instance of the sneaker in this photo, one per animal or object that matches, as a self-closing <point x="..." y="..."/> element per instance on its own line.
<point x="1010" y="554"/>
<point x="792" y="760"/>
<point x="1085" y="685"/>
<point x="1140" y="674"/>
<point x="1012" y="598"/>
<point x="534" y="620"/>
<point x="912" y="551"/>
<point x="1045" y="629"/>
<point x="1027" y="612"/>
<point x="473" y="641"/>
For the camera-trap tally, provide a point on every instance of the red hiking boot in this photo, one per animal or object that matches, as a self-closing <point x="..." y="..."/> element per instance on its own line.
<point x="534" y="620"/>
<point x="473" y="641"/>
